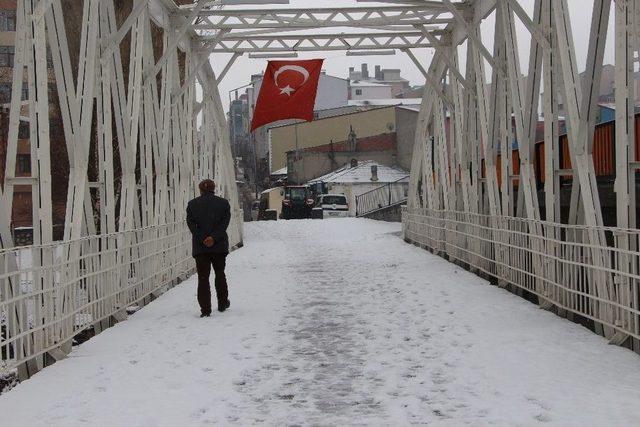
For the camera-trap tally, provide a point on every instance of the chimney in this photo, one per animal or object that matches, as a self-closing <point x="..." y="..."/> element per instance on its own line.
<point x="365" y="72"/>
<point x="378" y="72"/>
<point x="374" y="173"/>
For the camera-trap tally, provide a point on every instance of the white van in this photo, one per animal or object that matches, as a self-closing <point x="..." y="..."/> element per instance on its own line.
<point x="333" y="205"/>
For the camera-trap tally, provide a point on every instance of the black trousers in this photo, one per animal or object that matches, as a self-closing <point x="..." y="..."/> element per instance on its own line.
<point x="203" y="265"/>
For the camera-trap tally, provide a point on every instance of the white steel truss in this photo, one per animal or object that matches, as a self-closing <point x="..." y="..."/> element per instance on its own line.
<point x="136" y="122"/>
<point x="474" y="197"/>
<point x="473" y="200"/>
<point x="315" y="42"/>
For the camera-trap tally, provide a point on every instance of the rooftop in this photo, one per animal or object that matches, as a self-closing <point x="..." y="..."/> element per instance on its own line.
<point x="363" y="83"/>
<point x="362" y="174"/>
<point x="388" y="102"/>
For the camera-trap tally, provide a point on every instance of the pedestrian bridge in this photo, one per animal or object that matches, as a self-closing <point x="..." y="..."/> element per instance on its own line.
<point x="337" y="322"/>
<point x="346" y="319"/>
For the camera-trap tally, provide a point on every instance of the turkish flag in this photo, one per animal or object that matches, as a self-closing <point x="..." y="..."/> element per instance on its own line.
<point x="288" y="91"/>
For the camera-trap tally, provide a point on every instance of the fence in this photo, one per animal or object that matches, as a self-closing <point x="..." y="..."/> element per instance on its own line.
<point x="49" y="293"/>
<point x="387" y="195"/>
<point x="557" y="262"/>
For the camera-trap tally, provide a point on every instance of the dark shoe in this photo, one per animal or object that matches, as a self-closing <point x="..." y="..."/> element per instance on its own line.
<point x="222" y="308"/>
<point x="205" y="315"/>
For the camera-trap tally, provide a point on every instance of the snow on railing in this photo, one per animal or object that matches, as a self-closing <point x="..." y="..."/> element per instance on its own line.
<point x="504" y="248"/>
<point x="43" y="308"/>
<point x="384" y="196"/>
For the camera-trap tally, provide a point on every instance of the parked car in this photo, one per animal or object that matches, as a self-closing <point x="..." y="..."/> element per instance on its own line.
<point x="333" y="205"/>
<point x="255" y="209"/>
<point x="297" y="202"/>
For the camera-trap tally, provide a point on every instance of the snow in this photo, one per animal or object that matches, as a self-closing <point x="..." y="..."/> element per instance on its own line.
<point x="366" y="83"/>
<point x="337" y="322"/>
<point x="387" y="102"/>
<point x="362" y="174"/>
<point x="282" y="171"/>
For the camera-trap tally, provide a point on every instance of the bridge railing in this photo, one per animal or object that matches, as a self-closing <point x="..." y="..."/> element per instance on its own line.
<point x="556" y="264"/>
<point x="384" y="196"/>
<point x="43" y="308"/>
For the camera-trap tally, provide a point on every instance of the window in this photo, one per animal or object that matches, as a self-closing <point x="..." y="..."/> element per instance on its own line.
<point x="5" y="93"/>
<point x="6" y="56"/>
<point x="24" y="163"/>
<point x="297" y="194"/>
<point x="7" y="20"/>
<point x="334" y="200"/>
<point x="49" y="58"/>
<point x="23" y="131"/>
<point x="358" y="91"/>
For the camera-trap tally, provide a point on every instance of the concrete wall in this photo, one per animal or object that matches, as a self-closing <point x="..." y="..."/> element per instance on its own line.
<point x="307" y="166"/>
<point x="323" y="131"/>
<point x="406" y="121"/>
<point x="390" y="214"/>
<point x="371" y="92"/>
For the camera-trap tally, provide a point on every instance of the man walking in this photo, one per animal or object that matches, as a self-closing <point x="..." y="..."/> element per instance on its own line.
<point x="208" y="217"/>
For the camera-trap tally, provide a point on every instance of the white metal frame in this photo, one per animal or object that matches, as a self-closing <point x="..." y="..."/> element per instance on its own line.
<point x="460" y="207"/>
<point x="136" y="244"/>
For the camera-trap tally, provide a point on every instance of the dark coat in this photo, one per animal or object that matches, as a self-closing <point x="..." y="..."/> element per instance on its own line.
<point x="209" y="215"/>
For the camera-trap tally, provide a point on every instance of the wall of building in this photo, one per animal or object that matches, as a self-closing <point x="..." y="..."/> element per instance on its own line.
<point x="370" y="92"/>
<point x="406" y="122"/>
<point x="320" y="132"/>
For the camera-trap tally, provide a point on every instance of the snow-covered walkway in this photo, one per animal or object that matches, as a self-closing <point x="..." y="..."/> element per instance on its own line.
<point x="337" y="322"/>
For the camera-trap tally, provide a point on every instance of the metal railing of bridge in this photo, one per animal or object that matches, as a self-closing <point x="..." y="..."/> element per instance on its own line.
<point x="569" y="280"/>
<point x="48" y="304"/>
<point x="390" y="194"/>
<point x="139" y="137"/>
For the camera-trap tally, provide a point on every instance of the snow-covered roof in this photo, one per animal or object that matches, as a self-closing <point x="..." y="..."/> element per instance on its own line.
<point x="390" y="101"/>
<point x="269" y="190"/>
<point x="282" y="171"/>
<point x="410" y="107"/>
<point x="362" y="174"/>
<point x="360" y="83"/>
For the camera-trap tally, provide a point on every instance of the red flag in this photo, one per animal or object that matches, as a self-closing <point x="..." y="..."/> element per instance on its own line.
<point x="288" y="91"/>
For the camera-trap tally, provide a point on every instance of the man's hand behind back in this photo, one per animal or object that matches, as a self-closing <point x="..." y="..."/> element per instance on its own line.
<point x="209" y="241"/>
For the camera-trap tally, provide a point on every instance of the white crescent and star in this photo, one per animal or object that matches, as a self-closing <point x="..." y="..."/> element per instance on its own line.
<point x="288" y="90"/>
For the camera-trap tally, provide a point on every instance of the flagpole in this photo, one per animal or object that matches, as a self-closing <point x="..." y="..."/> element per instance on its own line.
<point x="297" y="147"/>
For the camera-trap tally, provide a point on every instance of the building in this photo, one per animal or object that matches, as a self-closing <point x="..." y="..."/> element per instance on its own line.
<point x="413" y="102"/>
<point x="390" y="149"/>
<point x="359" y="90"/>
<point x="388" y="77"/>
<point x="238" y="121"/>
<point x="360" y="177"/>
<point x="333" y="92"/>
<point x="325" y="130"/>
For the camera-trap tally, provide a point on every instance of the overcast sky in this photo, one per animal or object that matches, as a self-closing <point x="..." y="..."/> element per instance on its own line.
<point x="337" y="64"/>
